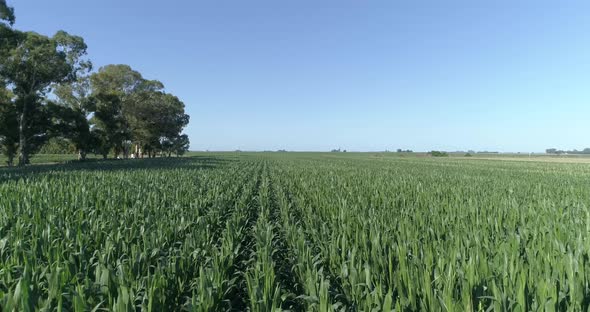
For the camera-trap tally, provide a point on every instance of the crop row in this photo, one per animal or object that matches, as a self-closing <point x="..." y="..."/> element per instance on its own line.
<point x="301" y="233"/>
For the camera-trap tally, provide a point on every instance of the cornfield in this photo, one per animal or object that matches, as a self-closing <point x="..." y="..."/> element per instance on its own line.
<point x="299" y="232"/>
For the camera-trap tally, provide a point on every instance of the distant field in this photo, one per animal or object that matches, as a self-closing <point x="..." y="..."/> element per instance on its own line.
<point x="61" y="158"/>
<point x="296" y="231"/>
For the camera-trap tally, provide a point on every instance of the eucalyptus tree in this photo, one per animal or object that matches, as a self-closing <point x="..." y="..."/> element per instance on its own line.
<point x="107" y="111"/>
<point x="180" y="144"/>
<point x="156" y="119"/>
<point x="30" y="67"/>
<point x="6" y="12"/>
<point x="110" y="129"/>
<point x="74" y="108"/>
<point x="172" y="122"/>
<point x="112" y="88"/>
<point x="8" y="125"/>
<point x="38" y="129"/>
<point x="6" y="21"/>
<point x="146" y="115"/>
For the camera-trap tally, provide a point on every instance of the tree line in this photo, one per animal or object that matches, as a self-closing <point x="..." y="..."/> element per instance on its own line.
<point x="48" y="89"/>
<point x="559" y="152"/>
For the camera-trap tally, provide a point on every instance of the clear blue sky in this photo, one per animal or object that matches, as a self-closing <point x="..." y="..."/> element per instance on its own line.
<point x="360" y="75"/>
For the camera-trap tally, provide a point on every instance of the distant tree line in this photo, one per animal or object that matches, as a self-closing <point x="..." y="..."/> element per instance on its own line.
<point x="559" y="152"/>
<point x="474" y="152"/>
<point x="49" y="91"/>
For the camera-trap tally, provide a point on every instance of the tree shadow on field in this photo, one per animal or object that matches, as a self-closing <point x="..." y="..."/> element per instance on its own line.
<point x="113" y="165"/>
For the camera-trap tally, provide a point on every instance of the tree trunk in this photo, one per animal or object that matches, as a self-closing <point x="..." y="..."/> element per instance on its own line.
<point x="23" y="157"/>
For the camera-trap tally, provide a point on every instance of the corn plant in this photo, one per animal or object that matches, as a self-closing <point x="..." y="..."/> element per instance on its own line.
<point x="295" y="231"/>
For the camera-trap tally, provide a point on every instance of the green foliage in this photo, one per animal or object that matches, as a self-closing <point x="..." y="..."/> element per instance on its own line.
<point x="438" y="154"/>
<point x="72" y="114"/>
<point x="117" y="79"/>
<point x="179" y="144"/>
<point x="38" y="61"/>
<point x="56" y="146"/>
<point x="37" y="129"/>
<point x="8" y="126"/>
<point x="585" y="151"/>
<point x="299" y="232"/>
<point x="30" y="65"/>
<point x="110" y="129"/>
<point x="131" y="108"/>
<point x="112" y="110"/>
<point x="6" y="12"/>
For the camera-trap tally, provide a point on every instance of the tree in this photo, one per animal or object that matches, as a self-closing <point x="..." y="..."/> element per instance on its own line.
<point x="143" y="109"/>
<point x="118" y="79"/>
<point x="39" y="127"/>
<point x="6" y="12"/>
<point x="73" y="111"/>
<point x="110" y="129"/>
<point x="7" y="35"/>
<point x="111" y="110"/>
<point x="155" y="119"/>
<point x="114" y="86"/>
<point x="30" y="67"/>
<point x="8" y="126"/>
<point x="150" y="117"/>
<point x="37" y="130"/>
<point x="180" y="144"/>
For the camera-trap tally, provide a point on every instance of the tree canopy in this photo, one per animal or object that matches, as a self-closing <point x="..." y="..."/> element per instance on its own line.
<point x="48" y="90"/>
<point x="6" y="12"/>
<point x="31" y="66"/>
